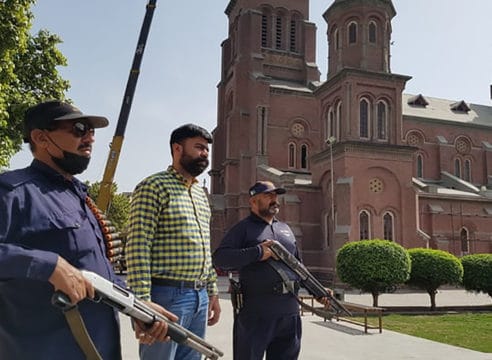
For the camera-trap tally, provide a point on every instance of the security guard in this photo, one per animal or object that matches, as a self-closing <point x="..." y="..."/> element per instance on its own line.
<point x="269" y="321"/>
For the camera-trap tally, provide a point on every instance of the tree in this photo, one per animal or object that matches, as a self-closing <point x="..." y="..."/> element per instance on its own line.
<point x="28" y="72"/>
<point x="373" y="265"/>
<point x="477" y="273"/>
<point x="433" y="268"/>
<point x="119" y="209"/>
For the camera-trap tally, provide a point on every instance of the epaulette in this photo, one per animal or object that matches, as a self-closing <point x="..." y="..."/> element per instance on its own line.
<point x="15" y="178"/>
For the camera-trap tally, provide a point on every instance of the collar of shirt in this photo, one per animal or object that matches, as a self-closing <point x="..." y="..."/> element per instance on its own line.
<point x="256" y="218"/>
<point x="180" y="177"/>
<point x="54" y="175"/>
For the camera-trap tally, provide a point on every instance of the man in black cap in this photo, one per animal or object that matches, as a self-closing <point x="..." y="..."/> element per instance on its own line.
<point x="48" y="233"/>
<point x="269" y="321"/>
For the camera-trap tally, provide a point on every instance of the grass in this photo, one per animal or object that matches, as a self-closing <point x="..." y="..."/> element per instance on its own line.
<point x="468" y="330"/>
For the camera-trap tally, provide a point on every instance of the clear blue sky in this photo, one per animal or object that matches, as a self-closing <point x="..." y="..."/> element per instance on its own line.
<point x="445" y="45"/>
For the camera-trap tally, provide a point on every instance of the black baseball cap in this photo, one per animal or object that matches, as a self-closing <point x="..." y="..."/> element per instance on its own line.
<point x="43" y="116"/>
<point x="265" y="187"/>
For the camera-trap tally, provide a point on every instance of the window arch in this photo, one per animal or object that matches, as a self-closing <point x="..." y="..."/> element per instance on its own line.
<point x="372" y="32"/>
<point x="465" y="241"/>
<point x="364" y="118"/>
<point x="457" y="167"/>
<point x="292" y="155"/>
<point x="420" y="166"/>
<point x="382" y="120"/>
<point x="331" y="122"/>
<point x="339" y="119"/>
<point x="304" y="156"/>
<point x="388" y="226"/>
<point x="467" y="171"/>
<point x="364" y="227"/>
<point x="352" y="32"/>
<point x="336" y="39"/>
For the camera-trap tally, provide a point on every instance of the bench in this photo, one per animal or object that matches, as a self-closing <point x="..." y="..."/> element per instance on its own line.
<point x="356" y="310"/>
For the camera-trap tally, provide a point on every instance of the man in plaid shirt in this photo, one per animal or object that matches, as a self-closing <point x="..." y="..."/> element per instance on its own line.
<point x="168" y="249"/>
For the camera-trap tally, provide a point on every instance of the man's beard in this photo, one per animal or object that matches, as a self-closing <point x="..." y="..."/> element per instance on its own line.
<point x="193" y="166"/>
<point x="272" y="209"/>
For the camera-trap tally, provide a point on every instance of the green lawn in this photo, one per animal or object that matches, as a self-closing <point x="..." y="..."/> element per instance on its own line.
<point x="467" y="330"/>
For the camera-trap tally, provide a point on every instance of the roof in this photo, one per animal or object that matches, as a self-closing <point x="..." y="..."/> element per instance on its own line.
<point x="457" y="111"/>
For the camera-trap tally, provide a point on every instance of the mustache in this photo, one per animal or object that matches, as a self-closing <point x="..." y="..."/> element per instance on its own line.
<point x="274" y="204"/>
<point x="85" y="146"/>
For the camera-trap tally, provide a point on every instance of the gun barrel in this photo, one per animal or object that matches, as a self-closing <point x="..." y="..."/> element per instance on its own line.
<point x="126" y="302"/>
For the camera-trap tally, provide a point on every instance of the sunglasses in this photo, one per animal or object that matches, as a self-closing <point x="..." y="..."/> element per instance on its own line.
<point x="80" y="129"/>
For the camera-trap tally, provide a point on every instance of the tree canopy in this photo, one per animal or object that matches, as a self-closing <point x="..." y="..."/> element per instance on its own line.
<point x="374" y="266"/>
<point x="28" y="72"/>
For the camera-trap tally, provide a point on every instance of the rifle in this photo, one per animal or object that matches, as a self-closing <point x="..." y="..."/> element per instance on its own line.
<point x="308" y="281"/>
<point x="126" y="302"/>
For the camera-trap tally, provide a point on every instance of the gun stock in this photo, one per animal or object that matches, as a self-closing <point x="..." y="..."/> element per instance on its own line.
<point x="127" y="303"/>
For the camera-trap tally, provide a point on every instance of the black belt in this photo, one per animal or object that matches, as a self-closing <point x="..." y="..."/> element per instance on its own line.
<point x="197" y="284"/>
<point x="278" y="288"/>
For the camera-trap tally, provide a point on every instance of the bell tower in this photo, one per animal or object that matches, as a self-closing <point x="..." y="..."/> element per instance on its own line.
<point x="265" y="100"/>
<point x="359" y="34"/>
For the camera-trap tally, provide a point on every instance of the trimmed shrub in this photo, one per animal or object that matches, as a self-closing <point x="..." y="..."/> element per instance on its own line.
<point x="433" y="268"/>
<point x="477" y="273"/>
<point x="373" y="265"/>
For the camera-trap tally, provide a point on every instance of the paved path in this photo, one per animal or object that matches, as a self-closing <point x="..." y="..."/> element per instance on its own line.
<point x="341" y="341"/>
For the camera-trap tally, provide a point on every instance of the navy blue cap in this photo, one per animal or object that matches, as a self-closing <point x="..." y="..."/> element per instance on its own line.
<point x="265" y="187"/>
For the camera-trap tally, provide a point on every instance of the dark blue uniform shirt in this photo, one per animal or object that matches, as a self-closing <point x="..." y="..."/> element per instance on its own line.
<point x="240" y="250"/>
<point x="43" y="215"/>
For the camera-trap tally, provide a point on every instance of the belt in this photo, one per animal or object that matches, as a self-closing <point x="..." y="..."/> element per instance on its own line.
<point x="196" y="285"/>
<point x="278" y="288"/>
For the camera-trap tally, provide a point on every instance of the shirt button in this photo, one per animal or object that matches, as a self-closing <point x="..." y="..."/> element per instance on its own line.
<point x="77" y="225"/>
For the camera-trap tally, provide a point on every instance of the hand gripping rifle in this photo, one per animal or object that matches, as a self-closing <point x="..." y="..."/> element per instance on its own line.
<point x="309" y="282"/>
<point x="126" y="302"/>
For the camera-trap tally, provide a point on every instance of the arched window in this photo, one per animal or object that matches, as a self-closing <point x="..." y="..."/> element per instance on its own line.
<point x="293" y="34"/>
<point x="388" y="225"/>
<point x="364" y="119"/>
<point x="304" y="156"/>
<point x="465" y="241"/>
<point x="382" y="121"/>
<point x="352" y="32"/>
<point x="292" y="155"/>
<point x="331" y="122"/>
<point x="264" y="31"/>
<point x="339" y="119"/>
<point x="420" y="166"/>
<point x="372" y="32"/>
<point x="364" y="228"/>
<point x="467" y="170"/>
<point x="336" y="39"/>
<point x="457" y="168"/>
<point x="278" y="31"/>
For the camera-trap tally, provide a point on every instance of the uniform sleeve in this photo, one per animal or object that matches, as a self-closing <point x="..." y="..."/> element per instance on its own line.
<point x="143" y="220"/>
<point x="232" y="253"/>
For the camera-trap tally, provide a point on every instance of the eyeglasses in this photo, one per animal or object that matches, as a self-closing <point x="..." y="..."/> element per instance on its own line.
<point x="81" y="129"/>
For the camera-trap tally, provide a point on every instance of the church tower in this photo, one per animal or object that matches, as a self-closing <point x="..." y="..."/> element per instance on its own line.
<point x="365" y="169"/>
<point x="267" y="114"/>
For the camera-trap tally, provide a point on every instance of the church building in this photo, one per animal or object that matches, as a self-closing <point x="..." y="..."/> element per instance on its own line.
<point x="359" y="158"/>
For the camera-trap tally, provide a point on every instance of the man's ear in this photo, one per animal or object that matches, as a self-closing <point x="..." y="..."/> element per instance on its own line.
<point x="39" y="138"/>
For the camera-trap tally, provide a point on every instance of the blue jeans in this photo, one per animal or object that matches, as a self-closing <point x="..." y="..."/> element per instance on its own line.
<point x="191" y="306"/>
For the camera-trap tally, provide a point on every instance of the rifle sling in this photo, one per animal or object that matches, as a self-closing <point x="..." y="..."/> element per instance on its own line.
<point x="79" y="331"/>
<point x="288" y="284"/>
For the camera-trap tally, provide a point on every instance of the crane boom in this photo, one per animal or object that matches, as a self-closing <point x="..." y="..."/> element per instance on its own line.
<point x="104" y="196"/>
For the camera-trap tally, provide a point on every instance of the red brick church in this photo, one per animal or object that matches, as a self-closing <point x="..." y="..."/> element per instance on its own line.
<point x="359" y="158"/>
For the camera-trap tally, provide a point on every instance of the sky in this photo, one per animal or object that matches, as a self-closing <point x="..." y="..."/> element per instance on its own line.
<point x="445" y="45"/>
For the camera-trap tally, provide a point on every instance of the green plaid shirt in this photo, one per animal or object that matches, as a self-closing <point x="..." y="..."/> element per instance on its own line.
<point x="169" y="234"/>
